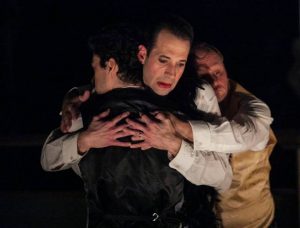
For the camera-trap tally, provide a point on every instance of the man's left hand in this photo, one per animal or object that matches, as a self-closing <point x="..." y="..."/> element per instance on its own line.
<point x="158" y="134"/>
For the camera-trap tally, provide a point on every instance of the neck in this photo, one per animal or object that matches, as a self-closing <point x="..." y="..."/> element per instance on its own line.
<point x="104" y="87"/>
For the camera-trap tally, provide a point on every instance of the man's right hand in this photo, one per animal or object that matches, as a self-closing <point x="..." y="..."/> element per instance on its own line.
<point x="103" y="133"/>
<point x="70" y="108"/>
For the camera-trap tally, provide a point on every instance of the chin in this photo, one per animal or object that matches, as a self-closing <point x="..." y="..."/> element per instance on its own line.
<point x="163" y="93"/>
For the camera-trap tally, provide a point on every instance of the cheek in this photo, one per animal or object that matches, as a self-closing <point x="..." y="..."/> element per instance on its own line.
<point x="146" y="79"/>
<point x="176" y="81"/>
<point x="151" y="74"/>
<point x="146" y="74"/>
<point x="225" y="83"/>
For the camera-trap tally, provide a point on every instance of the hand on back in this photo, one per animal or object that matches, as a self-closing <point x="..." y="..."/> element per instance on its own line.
<point x="103" y="133"/>
<point x="70" y="108"/>
<point x="158" y="134"/>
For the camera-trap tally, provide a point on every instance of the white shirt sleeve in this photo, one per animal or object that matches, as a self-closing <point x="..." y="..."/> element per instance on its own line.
<point x="248" y="129"/>
<point x="60" y="150"/>
<point x="206" y="100"/>
<point x="203" y="168"/>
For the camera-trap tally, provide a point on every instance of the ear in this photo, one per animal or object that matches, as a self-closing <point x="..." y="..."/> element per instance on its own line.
<point x="112" y="66"/>
<point x="95" y="61"/>
<point x="142" y="54"/>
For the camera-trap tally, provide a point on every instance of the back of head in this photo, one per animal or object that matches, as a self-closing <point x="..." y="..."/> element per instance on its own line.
<point x="172" y="23"/>
<point x="120" y="42"/>
<point x="203" y="48"/>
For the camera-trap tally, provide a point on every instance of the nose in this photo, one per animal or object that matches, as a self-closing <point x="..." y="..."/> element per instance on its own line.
<point x="171" y="70"/>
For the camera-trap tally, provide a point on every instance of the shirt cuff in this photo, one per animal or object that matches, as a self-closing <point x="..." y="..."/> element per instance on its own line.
<point x="70" y="149"/>
<point x="183" y="160"/>
<point x="201" y="135"/>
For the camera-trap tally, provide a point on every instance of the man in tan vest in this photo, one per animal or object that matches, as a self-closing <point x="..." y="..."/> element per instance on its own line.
<point x="248" y="202"/>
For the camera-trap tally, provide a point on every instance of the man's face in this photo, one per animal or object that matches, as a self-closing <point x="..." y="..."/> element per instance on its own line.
<point x="210" y="65"/>
<point x="164" y="65"/>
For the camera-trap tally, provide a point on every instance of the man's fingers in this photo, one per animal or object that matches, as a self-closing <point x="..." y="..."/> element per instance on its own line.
<point x="146" y="147"/>
<point x="122" y="144"/>
<point x="85" y="96"/>
<point x="122" y="127"/>
<point x="72" y="113"/>
<point x="66" y="122"/>
<point x="137" y="138"/>
<point x="121" y="134"/>
<point x="135" y="125"/>
<point x="104" y="114"/>
<point x="144" y="118"/>
<point x="160" y="116"/>
<point x="101" y="115"/>
<point x="63" y="127"/>
<point x="130" y="131"/>
<point x="73" y="101"/>
<point x="120" y="117"/>
<point x="139" y="145"/>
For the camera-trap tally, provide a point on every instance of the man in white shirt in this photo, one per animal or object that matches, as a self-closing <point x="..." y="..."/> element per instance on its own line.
<point x="162" y="68"/>
<point x="126" y="187"/>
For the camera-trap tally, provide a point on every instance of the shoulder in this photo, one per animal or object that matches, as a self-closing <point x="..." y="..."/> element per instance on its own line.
<point x="205" y="92"/>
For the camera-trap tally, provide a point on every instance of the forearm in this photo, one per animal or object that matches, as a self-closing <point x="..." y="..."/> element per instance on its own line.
<point x="247" y="130"/>
<point x="229" y="137"/>
<point x="184" y="130"/>
<point x="60" y="152"/>
<point x="203" y="168"/>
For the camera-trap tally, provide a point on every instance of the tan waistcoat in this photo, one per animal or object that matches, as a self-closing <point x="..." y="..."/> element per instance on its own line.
<point x="248" y="202"/>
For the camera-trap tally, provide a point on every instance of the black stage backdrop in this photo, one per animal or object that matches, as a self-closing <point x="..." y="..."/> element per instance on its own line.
<point x="44" y="50"/>
<point x="44" y="53"/>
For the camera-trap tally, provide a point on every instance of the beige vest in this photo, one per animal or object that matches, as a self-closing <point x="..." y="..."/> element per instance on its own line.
<point x="248" y="202"/>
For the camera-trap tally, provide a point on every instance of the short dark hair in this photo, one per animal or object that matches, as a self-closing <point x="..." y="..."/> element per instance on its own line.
<point x="120" y="42"/>
<point x="172" y="23"/>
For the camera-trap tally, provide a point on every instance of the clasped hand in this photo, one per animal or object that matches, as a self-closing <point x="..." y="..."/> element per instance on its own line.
<point x="157" y="133"/>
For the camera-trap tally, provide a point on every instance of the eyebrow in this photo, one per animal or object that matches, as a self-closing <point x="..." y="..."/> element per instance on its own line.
<point x="167" y="57"/>
<point x="164" y="56"/>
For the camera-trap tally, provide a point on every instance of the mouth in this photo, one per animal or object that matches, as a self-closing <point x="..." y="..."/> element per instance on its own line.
<point x="164" y="85"/>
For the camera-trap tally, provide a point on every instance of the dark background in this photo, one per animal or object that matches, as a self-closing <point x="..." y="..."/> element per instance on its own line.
<point x="43" y="53"/>
<point x="45" y="50"/>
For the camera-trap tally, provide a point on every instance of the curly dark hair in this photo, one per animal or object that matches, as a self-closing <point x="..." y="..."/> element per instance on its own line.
<point x="120" y="42"/>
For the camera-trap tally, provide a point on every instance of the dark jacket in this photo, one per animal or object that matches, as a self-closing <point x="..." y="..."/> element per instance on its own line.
<point x="129" y="187"/>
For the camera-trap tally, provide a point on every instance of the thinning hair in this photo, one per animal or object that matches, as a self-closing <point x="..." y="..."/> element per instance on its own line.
<point x="206" y="48"/>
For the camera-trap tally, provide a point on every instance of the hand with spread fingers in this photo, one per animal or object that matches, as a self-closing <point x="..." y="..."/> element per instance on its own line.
<point x="158" y="134"/>
<point x="103" y="133"/>
<point x="70" y="108"/>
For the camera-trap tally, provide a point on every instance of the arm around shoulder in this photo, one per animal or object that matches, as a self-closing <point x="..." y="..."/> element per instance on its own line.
<point x="245" y="126"/>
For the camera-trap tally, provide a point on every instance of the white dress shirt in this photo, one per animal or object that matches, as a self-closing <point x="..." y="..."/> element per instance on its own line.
<point x="199" y="166"/>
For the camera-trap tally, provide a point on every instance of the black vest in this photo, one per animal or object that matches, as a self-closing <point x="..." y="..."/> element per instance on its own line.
<point x="130" y="187"/>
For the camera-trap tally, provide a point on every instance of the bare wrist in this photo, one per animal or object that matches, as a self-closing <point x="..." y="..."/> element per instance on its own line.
<point x="175" y="147"/>
<point x="183" y="129"/>
<point x="186" y="131"/>
<point x="82" y="143"/>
